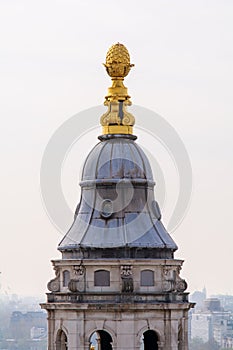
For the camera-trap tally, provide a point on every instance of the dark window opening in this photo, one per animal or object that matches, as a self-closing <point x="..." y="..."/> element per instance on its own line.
<point x="66" y="278"/>
<point x="61" y="341"/>
<point x="150" y="340"/>
<point x="102" y="278"/>
<point x="147" y="278"/>
<point x="101" y="340"/>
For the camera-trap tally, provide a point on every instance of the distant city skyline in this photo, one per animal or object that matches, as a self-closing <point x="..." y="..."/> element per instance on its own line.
<point x="52" y="54"/>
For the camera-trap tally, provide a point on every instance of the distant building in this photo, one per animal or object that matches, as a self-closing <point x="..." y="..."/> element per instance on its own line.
<point x="201" y="326"/>
<point x="212" y="323"/>
<point x="38" y="332"/>
<point x="22" y="323"/>
<point x="226" y="301"/>
<point x="198" y="298"/>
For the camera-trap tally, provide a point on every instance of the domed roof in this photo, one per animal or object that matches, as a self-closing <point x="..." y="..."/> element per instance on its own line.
<point x="116" y="159"/>
<point x="118" y="215"/>
<point x="117" y="208"/>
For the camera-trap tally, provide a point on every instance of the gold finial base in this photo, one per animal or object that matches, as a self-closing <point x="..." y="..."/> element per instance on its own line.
<point x="118" y="91"/>
<point x="117" y="129"/>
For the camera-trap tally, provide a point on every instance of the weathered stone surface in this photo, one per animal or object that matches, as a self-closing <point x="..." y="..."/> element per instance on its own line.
<point x="126" y="316"/>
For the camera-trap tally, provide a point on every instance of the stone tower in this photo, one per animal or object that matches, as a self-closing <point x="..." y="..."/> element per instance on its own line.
<point x="117" y="285"/>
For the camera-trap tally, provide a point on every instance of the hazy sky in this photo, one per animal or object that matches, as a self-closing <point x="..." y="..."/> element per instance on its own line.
<point x="51" y="55"/>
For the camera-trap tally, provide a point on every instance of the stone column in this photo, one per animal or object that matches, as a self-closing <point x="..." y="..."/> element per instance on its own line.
<point x="80" y="330"/>
<point x="98" y="343"/>
<point x="185" y="331"/>
<point x="174" y="334"/>
<point x="160" y="345"/>
<point x="86" y="346"/>
<point x="51" y="335"/>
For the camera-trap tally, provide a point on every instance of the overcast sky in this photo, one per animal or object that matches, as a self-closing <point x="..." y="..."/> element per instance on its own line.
<point x="51" y="55"/>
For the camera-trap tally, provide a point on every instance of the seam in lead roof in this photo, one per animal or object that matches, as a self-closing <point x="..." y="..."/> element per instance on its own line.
<point x="94" y="200"/>
<point x="87" y="158"/>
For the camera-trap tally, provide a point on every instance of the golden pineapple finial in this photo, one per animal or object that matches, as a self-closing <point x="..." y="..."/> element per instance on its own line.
<point x="118" y="61"/>
<point x="117" y="120"/>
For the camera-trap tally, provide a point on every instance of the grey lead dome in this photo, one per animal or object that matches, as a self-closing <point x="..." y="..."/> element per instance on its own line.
<point x="117" y="215"/>
<point x="116" y="159"/>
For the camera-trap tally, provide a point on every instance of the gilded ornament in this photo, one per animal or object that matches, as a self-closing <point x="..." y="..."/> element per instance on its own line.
<point x="118" y="61"/>
<point x="117" y="120"/>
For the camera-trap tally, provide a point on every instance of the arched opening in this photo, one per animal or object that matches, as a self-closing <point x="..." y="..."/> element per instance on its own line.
<point x="101" y="340"/>
<point x="66" y="278"/>
<point x="147" y="278"/>
<point x="61" y="340"/>
<point x="102" y="278"/>
<point x="149" y="340"/>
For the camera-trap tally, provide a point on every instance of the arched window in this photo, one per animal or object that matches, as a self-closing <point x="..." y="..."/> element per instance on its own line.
<point x="61" y="340"/>
<point x="150" y="340"/>
<point x="102" y="278"/>
<point x="66" y="278"/>
<point x="101" y="340"/>
<point x="147" y="278"/>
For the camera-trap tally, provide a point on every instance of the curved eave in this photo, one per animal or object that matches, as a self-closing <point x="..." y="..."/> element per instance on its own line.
<point x="117" y="233"/>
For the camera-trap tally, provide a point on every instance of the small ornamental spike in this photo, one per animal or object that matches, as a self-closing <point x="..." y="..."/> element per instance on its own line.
<point x="117" y="120"/>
